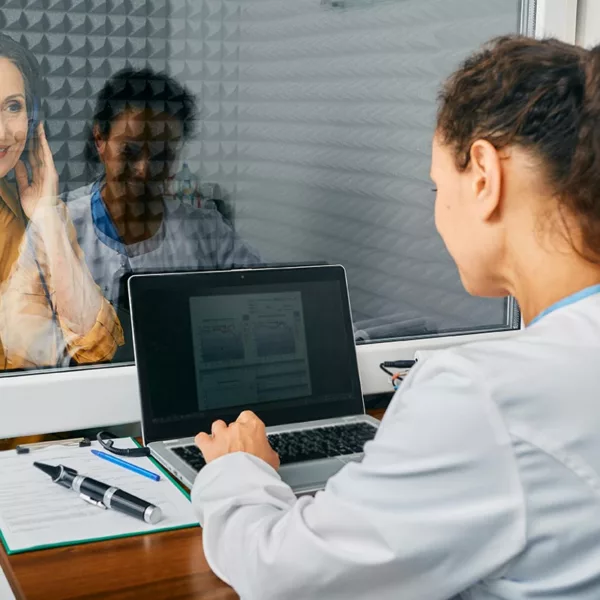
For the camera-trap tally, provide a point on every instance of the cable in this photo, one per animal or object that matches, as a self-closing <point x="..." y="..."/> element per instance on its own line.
<point x="396" y="378"/>
<point x="399" y="364"/>
<point x="104" y="437"/>
<point x="383" y="368"/>
<point x="396" y="364"/>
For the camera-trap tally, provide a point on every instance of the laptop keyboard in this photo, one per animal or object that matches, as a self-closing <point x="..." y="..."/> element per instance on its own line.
<point x="300" y="446"/>
<point x="323" y="442"/>
<point x="190" y="455"/>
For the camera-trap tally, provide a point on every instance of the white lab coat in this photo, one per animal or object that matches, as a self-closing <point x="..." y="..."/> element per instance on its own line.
<point x="483" y="480"/>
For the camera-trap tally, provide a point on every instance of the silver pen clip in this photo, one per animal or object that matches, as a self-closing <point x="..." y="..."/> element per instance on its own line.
<point x="89" y="500"/>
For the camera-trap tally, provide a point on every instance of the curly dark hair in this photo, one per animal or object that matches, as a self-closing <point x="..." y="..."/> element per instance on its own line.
<point x="131" y="89"/>
<point x="544" y="96"/>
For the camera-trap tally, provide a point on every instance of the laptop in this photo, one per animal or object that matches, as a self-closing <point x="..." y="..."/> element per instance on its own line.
<point x="277" y="341"/>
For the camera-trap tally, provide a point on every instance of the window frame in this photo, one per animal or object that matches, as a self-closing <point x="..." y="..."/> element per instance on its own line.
<point x="102" y="396"/>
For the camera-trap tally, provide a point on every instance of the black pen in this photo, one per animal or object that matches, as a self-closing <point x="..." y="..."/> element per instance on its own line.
<point x="102" y="495"/>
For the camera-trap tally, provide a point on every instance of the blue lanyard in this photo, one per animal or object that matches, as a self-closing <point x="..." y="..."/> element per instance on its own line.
<point x="103" y="221"/>
<point x="572" y="299"/>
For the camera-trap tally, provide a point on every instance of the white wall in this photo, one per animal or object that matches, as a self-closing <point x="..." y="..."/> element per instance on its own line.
<point x="558" y="18"/>
<point x="588" y="22"/>
<point x="5" y="591"/>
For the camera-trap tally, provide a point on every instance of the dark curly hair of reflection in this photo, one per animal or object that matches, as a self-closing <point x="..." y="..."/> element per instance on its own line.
<point x="139" y="89"/>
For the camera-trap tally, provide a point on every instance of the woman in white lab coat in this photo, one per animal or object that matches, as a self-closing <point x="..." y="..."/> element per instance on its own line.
<point x="484" y="478"/>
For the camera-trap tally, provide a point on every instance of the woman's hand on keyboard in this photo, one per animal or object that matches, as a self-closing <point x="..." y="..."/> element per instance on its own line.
<point x="246" y="434"/>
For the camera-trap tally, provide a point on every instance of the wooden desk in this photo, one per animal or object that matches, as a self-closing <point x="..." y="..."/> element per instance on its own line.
<point x="161" y="566"/>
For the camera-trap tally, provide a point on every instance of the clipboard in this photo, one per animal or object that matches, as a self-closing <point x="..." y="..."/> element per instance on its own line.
<point x="36" y="514"/>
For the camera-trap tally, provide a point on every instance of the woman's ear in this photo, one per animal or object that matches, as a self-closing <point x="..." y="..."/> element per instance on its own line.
<point x="487" y="178"/>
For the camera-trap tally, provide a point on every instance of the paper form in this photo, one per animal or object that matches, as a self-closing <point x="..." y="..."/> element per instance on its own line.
<point x="35" y="512"/>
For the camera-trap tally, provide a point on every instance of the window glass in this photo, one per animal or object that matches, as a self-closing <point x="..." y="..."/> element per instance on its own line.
<point x="202" y="134"/>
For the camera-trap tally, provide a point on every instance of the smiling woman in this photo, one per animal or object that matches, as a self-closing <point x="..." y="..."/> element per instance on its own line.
<point x="13" y="124"/>
<point x="14" y="127"/>
<point x="51" y="312"/>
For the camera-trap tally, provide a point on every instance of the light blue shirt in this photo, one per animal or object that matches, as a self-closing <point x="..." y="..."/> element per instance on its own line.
<point x="103" y="221"/>
<point x="572" y="299"/>
<point x="483" y="482"/>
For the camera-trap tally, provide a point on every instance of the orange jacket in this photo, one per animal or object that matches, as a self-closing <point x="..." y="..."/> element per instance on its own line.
<point x="35" y="330"/>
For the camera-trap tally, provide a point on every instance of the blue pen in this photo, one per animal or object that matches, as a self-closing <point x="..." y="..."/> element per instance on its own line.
<point x="126" y="465"/>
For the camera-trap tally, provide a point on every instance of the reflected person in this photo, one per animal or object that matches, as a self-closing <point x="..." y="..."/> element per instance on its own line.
<point x="127" y="220"/>
<point x="51" y="311"/>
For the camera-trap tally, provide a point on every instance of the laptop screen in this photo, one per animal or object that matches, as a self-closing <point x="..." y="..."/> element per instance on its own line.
<point x="275" y="341"/>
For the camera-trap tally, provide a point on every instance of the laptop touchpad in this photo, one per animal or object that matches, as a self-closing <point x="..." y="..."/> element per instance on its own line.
<point x="310" y="474"/>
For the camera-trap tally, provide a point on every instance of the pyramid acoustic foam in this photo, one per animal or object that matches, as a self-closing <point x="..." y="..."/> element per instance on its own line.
<point x="79" y="45"/>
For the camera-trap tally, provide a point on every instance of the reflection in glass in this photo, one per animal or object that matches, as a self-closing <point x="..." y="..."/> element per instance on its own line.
<point x="213" y="134"/>
<point x="51" y="312"/>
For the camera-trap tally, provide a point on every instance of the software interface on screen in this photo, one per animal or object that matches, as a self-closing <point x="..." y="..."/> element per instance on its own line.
<point x="250" y="346"/>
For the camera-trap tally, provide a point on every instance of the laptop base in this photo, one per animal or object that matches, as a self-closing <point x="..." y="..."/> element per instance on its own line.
<point x="303" y="477"/>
